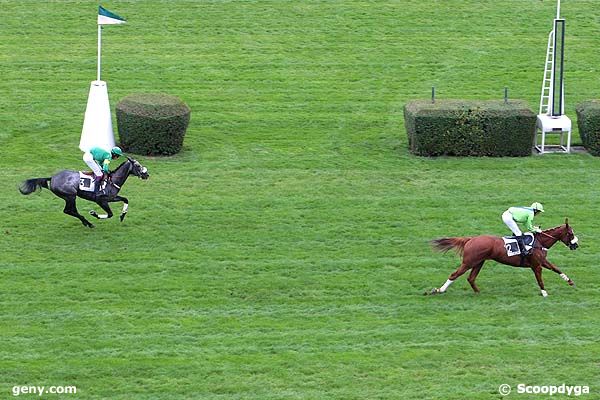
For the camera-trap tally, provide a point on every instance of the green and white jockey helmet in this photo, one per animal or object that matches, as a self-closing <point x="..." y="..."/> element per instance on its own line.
<point x="537" y="207"/>
<point x="117" y="150"/>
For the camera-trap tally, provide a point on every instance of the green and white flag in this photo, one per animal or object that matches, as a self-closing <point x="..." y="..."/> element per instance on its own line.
<point x="106" y="17"/>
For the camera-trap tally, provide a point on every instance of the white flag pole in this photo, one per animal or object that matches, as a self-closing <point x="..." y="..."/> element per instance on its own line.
<point x="99" y="49"/>
<point x="558" y="10"/>
<point x="97" y="124"/>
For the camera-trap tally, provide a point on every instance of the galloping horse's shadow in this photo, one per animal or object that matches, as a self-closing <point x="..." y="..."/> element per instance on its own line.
<point x="476" y="250"/>
<point x="65" y="185"/>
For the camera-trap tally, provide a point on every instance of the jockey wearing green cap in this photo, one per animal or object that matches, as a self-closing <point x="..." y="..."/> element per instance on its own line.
<point x="522" y="215"/>
<point x="99" y="160"/>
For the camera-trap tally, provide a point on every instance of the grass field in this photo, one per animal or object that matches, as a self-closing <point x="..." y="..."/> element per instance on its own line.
<point x="283" y="254"/>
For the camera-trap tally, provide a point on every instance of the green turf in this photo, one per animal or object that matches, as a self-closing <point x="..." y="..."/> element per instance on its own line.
<point x="283" y="254"/>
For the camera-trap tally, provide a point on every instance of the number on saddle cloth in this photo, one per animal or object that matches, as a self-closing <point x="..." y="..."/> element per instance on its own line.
<point x="512" y="247"/>
<point x="87" y="182"/>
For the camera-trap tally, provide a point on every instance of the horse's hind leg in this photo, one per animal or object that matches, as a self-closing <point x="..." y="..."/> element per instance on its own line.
<point x="473" y="276"/>
<point x="461" y="270"/>
<point x="453" y="276"/>
<point x="71" y="209"/>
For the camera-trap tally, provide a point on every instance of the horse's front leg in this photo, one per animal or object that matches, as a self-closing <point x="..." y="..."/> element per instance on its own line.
<point x="548" y="265"/>
<point x="125" y="206"/>
<point x="537" y="270"/>
<point x="104" y="205"/>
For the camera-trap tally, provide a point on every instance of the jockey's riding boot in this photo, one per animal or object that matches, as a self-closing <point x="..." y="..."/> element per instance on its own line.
<point x="524" y="251"/>
<point x="100" y="185"/>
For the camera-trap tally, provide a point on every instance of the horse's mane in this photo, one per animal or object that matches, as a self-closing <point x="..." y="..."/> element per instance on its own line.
<point x="554" y="229"/>
<point x="121" y="165"/>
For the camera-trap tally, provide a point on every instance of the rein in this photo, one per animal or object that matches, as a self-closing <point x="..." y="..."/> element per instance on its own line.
<point x="548" y="235"/>
<point x="551" y="237"/>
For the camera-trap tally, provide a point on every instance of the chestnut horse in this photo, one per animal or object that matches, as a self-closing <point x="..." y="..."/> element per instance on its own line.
<point x="476" y="250"/>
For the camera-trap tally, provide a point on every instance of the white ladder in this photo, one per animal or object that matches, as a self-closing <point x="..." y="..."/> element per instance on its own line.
<point x="547" y="89"/>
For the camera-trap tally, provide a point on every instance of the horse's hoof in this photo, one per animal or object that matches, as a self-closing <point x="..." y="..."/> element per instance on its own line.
<point x="434" y="291"/>
<point x="122" y="217"/>
<point x="93" y="213"/>
<point x="571" y="283"/>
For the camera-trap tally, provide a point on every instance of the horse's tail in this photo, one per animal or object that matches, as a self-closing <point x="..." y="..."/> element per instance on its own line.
<point x="456" y="243"/>
<point x="31" y="185"/>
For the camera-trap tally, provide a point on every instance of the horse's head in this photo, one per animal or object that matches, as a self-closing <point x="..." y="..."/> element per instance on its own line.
<point x="568" y="237"/>
<point x="138" y="169"/>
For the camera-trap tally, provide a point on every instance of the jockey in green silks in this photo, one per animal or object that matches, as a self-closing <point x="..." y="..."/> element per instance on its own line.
<point x="522" y="215"/>
<point x="99" y="160"/>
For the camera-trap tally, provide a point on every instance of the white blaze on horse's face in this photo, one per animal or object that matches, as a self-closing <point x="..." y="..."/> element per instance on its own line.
<point x="575" y="240"/>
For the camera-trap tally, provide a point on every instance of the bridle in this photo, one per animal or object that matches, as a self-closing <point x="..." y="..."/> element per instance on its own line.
<point x="571" y="243"/>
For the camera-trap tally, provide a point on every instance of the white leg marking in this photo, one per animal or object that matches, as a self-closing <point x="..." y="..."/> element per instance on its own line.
<point x="102" y="216"/>
<point x="443" y="288"/>
<point x="564" y="277"/>
<point x="125" y="207"/>
<point x="544" y="293"/>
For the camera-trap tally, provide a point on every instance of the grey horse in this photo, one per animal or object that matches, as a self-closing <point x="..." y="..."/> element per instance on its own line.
<point x="65" y="185"/>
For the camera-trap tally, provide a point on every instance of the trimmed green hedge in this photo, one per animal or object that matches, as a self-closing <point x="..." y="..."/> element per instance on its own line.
<point x="152" y="123"/>
<point x="588" y="121"/>
<point x="469" y="128"/>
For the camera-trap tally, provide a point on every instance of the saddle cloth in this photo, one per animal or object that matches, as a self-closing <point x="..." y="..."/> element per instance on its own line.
<point x="512" y="247"/>
<point x="86" y="182"/>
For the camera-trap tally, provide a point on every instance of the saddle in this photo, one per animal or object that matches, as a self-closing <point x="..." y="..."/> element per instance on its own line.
<point x="512" y="247"/>
<point x="87" y="182"/>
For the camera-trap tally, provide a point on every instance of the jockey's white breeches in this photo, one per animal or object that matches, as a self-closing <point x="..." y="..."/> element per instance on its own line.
<point x="510" y="222"/>
<point x="89" y="160"/>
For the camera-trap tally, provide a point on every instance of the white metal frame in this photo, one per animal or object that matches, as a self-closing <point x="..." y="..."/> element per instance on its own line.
<point x="546" y="123"/>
